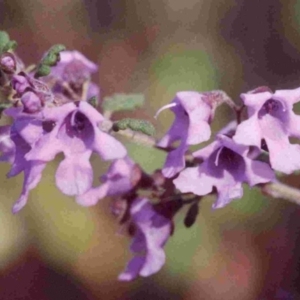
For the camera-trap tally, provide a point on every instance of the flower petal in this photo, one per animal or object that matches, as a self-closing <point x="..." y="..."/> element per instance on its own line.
<point x="108" y="147"/>
<point x="32" y="176"/>
<point x="74" y="175"/>
<point x="248" y="133"/>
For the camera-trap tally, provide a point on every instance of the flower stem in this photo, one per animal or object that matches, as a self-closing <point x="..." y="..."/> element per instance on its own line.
<point x="283" y="191"/>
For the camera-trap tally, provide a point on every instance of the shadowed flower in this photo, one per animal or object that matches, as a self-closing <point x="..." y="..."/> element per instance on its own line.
<point x="190" y="127"/>
<point x="152" y="231"/>
<point x="32" y="169"/>
<point x="121" y="177"/>
<point x="75" y="70"/>
<point x="15" y="142"/>
<point x="225" y="166"/>
<point x="271" y="118"/>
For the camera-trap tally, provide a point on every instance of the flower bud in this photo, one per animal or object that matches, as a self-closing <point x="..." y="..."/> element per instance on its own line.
<point x="31" y="102"/>
<point x="8" y="63"/>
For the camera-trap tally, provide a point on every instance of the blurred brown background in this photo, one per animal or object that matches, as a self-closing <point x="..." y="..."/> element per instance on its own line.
<point x="54" y="249"/>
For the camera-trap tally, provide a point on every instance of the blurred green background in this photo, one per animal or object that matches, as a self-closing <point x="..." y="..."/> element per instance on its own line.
<point x="55" y="249"/>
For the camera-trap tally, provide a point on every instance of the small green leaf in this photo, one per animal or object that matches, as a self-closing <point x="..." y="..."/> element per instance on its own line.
<point x="135" y="125"/>
<point x="93" y="101"/>
<point x="119" y="102"/>
<point x="5" y="43"/>
<point x="3" y="106"/>
<point x="4" y="39"/>
<point x="51" y="58"/>
<point x="42" y="70"/>
<point x="11" y="45"/>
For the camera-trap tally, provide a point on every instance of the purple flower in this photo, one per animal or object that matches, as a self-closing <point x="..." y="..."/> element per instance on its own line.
<point x="75" y="69"/>
<point x="73" y="129"/>
<point x="271" y="118"/>
<point x="190" y="127"/>
<point x="225" y="166"/>
<point x="15" y="142"/>
<point x="152" y="231"/>
<point x="122" y="176"/>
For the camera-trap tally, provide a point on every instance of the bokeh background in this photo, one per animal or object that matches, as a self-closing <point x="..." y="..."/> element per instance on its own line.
<point x="54" y="249"/>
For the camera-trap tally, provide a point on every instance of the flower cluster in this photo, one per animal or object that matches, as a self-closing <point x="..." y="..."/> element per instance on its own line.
<point x="54" y="114"/>
<point x="44" y="125"/>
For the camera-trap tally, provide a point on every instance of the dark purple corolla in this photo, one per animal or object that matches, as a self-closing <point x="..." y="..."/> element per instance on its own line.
<point x="271" y="118"/>
<point x="152" y="231"/>
<point x="225" y="166"/>
<point x="191" y="126"/>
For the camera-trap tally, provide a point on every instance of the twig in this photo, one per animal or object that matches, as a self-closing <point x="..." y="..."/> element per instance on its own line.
<point x="283" y="191"/>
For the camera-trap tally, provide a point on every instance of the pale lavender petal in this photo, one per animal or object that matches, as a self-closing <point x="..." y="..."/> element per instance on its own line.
<point x="255" y="101"/>
<point x="42" y="151"/>
<point x="108" y="147"/>
<point x="199" y="131"/>
<point x="93" y="195"/>
<point x="74" y="175"/>
<point x="284" y="157"/>
<point x="90" y="112"/>
<point x="192" y="180"/>
<point x="248" y="133"/>
<point x="154" y="262"/>
<point x="288" y="96"/>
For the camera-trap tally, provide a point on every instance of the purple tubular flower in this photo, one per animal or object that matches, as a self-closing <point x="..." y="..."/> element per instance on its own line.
<point x="122" y="176"/>
<point x="271" y="118"/>
<point x="190" y="127"/>
<point x="73" y="129"/>
<point x="225" y="166"/>
<point x="152" y="232"/>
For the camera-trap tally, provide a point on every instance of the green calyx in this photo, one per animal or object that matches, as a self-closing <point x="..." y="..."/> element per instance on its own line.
<point x="139" y="125"/>
<point x="5" y="43"/>
<point x="119" y="102"/>
<point x="51" y="58"/>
